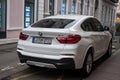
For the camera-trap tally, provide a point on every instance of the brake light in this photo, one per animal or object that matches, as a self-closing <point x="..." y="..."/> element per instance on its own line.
<point x="23" y="36"/>
<point x="19" y="48"/>
<point x="69" y="39"/>
<point x="68" y="54"/>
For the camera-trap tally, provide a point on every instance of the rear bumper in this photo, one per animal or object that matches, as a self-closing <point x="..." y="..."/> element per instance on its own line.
<point x="65" y="63"/>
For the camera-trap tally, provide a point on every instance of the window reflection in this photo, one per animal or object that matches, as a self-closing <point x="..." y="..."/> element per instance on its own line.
<point x="2" y="15"/>
<point x="73" y="6"/>
<point x="64" y="5"/>
<point x="51" y="7"/>
<point x="29" y="12"/>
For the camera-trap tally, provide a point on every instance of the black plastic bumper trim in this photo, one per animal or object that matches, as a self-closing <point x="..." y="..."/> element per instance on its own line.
<point x="65" y="63"/>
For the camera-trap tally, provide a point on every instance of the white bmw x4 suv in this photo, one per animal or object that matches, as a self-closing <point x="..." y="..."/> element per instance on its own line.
<point x="64" y="42"/>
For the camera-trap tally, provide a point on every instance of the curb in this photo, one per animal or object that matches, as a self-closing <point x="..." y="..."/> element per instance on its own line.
<point x="8" y="41"/>
<point x="16" y="69"/>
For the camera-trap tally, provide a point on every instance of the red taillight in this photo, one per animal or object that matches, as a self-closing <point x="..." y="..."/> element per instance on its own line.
<point x="68" y="54"/>
<point x="69" y="39"/>
<point x="19" y="48"/>
<point x="23" y="36"/>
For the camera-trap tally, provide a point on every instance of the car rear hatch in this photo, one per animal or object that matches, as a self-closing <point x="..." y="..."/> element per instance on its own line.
<point x="43" y="41"/>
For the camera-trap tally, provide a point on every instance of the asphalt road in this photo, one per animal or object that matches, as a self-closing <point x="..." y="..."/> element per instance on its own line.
<point x="8" y="56"/>
<point x="11" y="69"/>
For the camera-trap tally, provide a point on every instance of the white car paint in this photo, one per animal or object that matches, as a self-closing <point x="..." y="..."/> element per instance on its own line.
<point x="97" y="40"/>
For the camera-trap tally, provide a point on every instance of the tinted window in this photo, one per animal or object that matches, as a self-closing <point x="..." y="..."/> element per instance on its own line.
<point x="87" y="25"/>
<point x="97" y="25"/>
<point x="53" y="23"/>
<point x="92" y="24"/>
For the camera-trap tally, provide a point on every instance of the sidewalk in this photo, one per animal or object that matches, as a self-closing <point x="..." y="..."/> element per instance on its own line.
<point x="8" y="41"/>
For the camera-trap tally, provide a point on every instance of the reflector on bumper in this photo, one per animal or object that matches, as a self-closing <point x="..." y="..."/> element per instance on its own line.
<point x="39" y="64"/>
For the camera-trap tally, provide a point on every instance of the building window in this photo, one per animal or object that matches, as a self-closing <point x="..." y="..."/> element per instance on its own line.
<point x="2" y="15"/>
<point x="81" y="6"/>
<point x="88" y="5"/>
<point x="51" y="7"/>
<point x="96" y="8"/>
<point x="103" y="14"/>
<point x="106" y="13"/>
<point x="2" y="18"/>
<point x="73" y="6"/>
<point x="64" y="7"/>
<point x="29" y="12"/>
<point x="111" y="16"/>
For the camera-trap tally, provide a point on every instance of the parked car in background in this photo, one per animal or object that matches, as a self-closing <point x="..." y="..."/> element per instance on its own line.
<point x="64" y="42"/>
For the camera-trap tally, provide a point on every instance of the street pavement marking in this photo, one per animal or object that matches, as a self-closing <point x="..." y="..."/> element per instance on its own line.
<point x="7" y="68"/>
<point x="60" y="77"/>
<point x="21" y="64"/>
<point x="24" y="76"/>
<point x="11" y="67"/>
<point x="7" y="71"/>
<point x="116" y="52"/>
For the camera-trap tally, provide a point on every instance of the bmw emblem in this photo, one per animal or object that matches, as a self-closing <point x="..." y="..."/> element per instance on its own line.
<point x="40" y="34"/>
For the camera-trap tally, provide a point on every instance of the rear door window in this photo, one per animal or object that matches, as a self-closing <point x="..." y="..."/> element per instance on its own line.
<point x="98" y="25"/>
<point x="87" y="25"/>
<point x="92" y="24"/>
<point x="53" y="23"/>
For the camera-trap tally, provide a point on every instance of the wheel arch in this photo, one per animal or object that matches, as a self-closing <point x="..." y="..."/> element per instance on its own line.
<point x="91" y="49"/>
<point x="85" y="70"/>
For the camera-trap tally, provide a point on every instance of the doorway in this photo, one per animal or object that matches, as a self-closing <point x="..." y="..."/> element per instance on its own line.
<point x="2" y="19"/>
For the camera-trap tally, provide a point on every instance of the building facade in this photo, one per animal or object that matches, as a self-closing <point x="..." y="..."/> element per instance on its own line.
<point x="104" y="10"/>
<point x="18" y="14"/>
<point x="118" y="19"/>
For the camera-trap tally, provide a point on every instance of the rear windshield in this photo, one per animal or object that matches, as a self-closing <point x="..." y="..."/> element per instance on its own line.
<point x="53" y="23"/>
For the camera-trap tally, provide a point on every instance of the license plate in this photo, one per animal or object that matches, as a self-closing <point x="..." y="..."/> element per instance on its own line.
<point x="42" y="40"/>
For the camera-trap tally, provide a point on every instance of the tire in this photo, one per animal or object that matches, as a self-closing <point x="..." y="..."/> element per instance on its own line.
<point x="109" y="50"/>
<point x="88" y="64"/>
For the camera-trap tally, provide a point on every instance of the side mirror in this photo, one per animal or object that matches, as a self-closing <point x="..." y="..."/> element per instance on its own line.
<point x="106" y="28"/>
